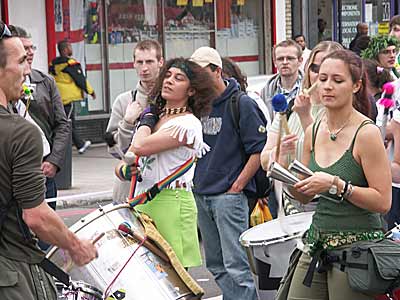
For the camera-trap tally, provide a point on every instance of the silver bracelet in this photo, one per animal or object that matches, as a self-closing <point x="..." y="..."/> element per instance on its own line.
<point x="349" y="191"/>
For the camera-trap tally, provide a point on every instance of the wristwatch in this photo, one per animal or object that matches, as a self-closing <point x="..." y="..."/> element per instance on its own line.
<point x="333" y="190"/>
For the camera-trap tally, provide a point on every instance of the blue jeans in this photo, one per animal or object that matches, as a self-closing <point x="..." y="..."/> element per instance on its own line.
<point x="222" y="218"/>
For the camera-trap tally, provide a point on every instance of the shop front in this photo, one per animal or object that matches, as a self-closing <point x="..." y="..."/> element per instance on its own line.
<point x="337" y="19"/>
<point x="104" y="34"/>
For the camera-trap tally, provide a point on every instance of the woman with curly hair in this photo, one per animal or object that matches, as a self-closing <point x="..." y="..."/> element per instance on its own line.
<point x="383" y="49"/>
<point x="168" y="134"/>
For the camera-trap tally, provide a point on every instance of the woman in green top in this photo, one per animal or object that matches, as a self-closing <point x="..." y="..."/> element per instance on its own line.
<point x="307" y="108"/>
<point x="346" y="152"/>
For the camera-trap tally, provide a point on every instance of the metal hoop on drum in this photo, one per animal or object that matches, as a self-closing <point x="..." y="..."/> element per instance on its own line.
<point x="268" y="247"/>
<point x="78" y="290"/>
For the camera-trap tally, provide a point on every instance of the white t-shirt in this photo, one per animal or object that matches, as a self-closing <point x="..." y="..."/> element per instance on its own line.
<point x="157" y="166"/>
<point x="21" y="108"/>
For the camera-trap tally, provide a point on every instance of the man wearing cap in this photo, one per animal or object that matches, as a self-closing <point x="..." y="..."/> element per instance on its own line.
<point x="222" y="177"/>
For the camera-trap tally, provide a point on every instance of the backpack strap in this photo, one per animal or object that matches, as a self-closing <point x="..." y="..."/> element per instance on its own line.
<point x="235" y="113"/>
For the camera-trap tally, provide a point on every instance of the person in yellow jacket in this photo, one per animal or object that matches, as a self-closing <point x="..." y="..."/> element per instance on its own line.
<point x="72" y="84"/>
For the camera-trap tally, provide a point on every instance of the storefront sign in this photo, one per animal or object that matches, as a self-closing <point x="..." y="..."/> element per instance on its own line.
<point x="351" y="16"/>
<point x="383" y="28"/>
<point x="198" y="3"/>
<point x="181" y="2"/>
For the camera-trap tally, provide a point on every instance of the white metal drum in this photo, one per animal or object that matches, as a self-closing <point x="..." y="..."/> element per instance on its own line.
<point x="268" y="248"/>
<point x="146" y="276"/>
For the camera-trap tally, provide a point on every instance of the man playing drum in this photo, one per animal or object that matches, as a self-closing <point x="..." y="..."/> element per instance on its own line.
<point x="22" y="205"/>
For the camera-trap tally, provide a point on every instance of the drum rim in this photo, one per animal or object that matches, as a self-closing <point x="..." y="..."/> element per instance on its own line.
<point x="90" y="218"/>
<point x="263" y="242"/>
<point x="86" y="288"/>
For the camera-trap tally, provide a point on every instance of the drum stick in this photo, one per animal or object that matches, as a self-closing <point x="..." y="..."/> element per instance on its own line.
<point x="278" y="145"/>
<point x="126" y="229"/>
<point x="97" y="238"/>
<point x="311" y="88"/>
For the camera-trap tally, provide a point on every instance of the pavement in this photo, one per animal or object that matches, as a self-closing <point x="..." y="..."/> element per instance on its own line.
<point x="92" y="178"/>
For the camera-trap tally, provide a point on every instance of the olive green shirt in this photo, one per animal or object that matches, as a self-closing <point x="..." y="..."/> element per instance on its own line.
<point x="21" y="180"/>
<point x="342" y="216"/>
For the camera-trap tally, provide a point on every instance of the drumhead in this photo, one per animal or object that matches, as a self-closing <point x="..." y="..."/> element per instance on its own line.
<point x="277" y="230"/>
<point x="146" y="276"/>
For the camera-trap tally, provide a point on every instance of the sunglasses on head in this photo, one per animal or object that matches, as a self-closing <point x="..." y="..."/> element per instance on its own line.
<point x="314" y="68"/>
<point x="5" y="33"/>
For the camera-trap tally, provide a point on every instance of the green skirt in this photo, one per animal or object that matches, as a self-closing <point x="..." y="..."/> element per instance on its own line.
<point x="174" y="212"/>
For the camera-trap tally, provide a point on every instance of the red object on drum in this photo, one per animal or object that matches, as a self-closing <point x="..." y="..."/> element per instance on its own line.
<point x="124" y="227"/>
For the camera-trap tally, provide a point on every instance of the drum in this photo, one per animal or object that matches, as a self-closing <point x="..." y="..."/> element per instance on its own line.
<point x="268" y="247"/>
<point x="145" y="276"/>
<point x="78" y="290"/>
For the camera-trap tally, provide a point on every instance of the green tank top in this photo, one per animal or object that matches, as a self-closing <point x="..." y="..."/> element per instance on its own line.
<point x="331" y="216"/>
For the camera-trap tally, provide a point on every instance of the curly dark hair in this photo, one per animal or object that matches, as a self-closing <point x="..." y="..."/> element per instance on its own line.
<point x="205" y="91"/>
<point x="360" y="100"/>
<point x="231" y="69"/>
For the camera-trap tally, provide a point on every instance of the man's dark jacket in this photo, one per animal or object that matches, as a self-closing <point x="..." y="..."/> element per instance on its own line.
<point x="47" y="110"/>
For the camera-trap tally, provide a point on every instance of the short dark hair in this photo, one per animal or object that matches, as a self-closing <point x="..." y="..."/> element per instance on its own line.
<point x="298" y="35"/>
<point x="19" y="32"/>
<point x="62" y="45"/>
<point x="149" y="45"/>
<point x="395" y="20"/>
<point x="3" y="51"/>
<point x="200" y="80"/>
<point x="288" y="43"/>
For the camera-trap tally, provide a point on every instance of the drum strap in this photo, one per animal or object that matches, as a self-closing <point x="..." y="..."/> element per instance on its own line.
<point x="156" y="188"/>
<point x="52" y="269"/>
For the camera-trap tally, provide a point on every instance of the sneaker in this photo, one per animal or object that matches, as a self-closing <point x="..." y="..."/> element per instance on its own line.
<point x="84" y="147"/>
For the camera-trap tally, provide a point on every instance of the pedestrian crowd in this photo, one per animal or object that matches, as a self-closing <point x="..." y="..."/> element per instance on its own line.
<point x="191" y="119"/>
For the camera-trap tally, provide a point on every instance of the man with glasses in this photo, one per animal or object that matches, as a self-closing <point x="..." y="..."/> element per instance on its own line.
<point x="46" y="110"/>
<point x="287" y="56"/>
<point x="383" y="49"/>
<point x="22" y="206"/>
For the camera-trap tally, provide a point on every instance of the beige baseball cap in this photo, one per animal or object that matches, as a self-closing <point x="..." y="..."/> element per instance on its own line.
<point x="204" y="56"/>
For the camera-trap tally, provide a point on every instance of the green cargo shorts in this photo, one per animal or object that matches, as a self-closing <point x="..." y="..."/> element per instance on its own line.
<point x="20" y="280"/>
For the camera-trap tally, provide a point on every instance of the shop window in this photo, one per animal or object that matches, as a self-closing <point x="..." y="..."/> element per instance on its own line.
<point x="351" y="15"/>
<point x="324" y="20"/>
<point x="188" y="25"/>
<point x="377" y="16"/>
<point x="129" y="21"/>
<point x="78" y="22"/>
<point x="239" y="32"/>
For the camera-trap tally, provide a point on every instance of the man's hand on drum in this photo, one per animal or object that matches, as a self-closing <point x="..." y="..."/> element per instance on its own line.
<point x="125" y="172"/>
<point x="318" y="183"/>
<point x="83" y="252"/>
